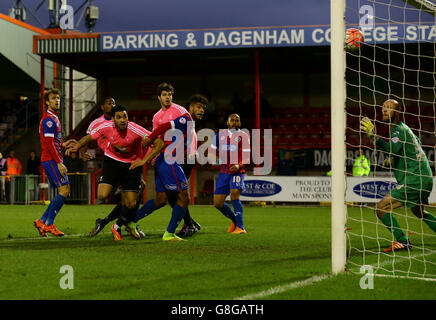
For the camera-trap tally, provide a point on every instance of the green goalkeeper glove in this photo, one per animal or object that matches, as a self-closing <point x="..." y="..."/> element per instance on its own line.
<point x="367" y="126"/>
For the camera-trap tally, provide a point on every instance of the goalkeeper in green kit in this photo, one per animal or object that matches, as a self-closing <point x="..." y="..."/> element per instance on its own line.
<point x="412" y="172"/>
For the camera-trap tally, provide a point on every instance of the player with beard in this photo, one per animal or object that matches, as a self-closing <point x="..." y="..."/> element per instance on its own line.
<point x="124" y="146"/>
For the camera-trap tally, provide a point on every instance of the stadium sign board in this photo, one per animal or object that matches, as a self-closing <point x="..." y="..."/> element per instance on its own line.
<point x="317" y="189"/>
<point x="255" y="37"/>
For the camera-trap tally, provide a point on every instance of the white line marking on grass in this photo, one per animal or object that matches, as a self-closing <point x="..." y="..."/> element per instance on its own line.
<point x="315" y="279"/>
<point x="286" y="287"/>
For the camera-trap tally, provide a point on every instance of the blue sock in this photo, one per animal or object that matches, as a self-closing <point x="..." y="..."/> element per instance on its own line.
<point x="228" y="212"/>
<point x="47" y="212"/>
<point x="145" y="210"/>
<point x="176" y="217"/>
<point x="58" y="202"/>
<point x="237" y="206"/>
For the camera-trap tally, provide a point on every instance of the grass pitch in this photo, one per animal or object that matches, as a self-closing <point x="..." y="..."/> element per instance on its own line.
<point x="284" y="250"/>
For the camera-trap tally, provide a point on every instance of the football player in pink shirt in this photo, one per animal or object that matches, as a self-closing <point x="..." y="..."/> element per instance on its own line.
<point x="168" y="112"/>
<point x="106" y="117"/>
<point x="124" y="146"/>
<point x="102" y="142"/>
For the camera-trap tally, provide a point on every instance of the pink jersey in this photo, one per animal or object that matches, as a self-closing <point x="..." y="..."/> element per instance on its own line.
<point x="173" y="112"/>
<point x="101" y="141"/>
<point x="125" y="146"/>
<point x="162" y="116"/>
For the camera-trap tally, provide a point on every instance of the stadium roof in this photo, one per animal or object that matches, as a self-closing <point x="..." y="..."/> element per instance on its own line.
<point x="20" y="53"/>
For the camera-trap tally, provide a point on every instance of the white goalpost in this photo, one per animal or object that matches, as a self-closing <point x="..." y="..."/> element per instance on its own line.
<point x="397" y="60"/>
<point x="338" y="97"/>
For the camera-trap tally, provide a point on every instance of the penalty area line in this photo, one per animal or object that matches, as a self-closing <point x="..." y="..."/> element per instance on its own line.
<point x="286" y="287"/>
<point x="315" y="279"/>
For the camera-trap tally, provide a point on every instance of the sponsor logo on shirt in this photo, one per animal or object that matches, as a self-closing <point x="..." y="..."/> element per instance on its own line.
<point x="49" y="124"/>
<point x="395" y="139"/>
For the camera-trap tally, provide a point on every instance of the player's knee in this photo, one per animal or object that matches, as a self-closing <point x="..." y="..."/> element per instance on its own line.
<point x="183" y="199"/>
<point x="130" y="204"/>
<point x="101" y="196"/>
<point x="380" y="210"/>
<point x="234" y="195"/>
<point x="160" y="200"/>
<point x="218" y="203"/>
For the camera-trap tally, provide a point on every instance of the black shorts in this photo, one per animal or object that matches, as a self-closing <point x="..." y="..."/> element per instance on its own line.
<point x="117" y="172"/>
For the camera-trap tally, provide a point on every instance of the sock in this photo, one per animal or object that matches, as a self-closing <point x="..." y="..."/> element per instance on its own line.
<point x="115" y="213"/>
<point x="58" y="202"/>
<point x="392" y="224"/>
<point x="430" y="220"/>
<point x="47" y="212"/>
<point x="172" y="198"/>
<point x="126" y="215"/>
<point x="237" y="206"/>
<point x="187" y="218"/>
<point x="145" y="210"/>
<point x="176" y="217"/>
<point x="228" y="212"/>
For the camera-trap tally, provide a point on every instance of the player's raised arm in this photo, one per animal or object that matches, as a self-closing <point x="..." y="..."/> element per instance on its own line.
<point x="156" y="133"/>
<point x="367" y="126"/>
<point x="395" y="145"/>
<point x="158" y="145"/>
<point x="79" y="144"/>
<point x="69" y="143"/>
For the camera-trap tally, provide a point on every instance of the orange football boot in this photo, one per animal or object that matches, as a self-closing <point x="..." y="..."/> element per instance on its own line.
<point x="232" y="227"/>
<point x="53" y="230"/>
<point x="40" y="226"/>
<point x="239" y="231"/>
<point x="116" y="233"/>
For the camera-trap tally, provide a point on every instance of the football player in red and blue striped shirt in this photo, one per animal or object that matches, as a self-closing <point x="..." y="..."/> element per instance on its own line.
<point x="233" y="146"/>
<point x="50" y="134"/>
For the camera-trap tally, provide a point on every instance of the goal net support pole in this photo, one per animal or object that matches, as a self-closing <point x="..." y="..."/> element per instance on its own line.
<point x="338" y="119"/>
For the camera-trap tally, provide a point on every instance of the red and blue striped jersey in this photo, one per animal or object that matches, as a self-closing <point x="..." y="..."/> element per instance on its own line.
<point x="234" y="148"/>
<point x="50" y="134"/>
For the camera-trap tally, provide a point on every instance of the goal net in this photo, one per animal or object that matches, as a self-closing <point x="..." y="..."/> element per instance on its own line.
<point x="396" y="61"/>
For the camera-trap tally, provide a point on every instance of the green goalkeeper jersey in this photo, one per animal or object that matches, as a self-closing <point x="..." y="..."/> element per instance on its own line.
<point x="409" y="162"/>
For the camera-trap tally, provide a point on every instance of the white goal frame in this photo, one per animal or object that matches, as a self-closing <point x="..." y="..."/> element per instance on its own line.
<point x="338" y="125"/>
